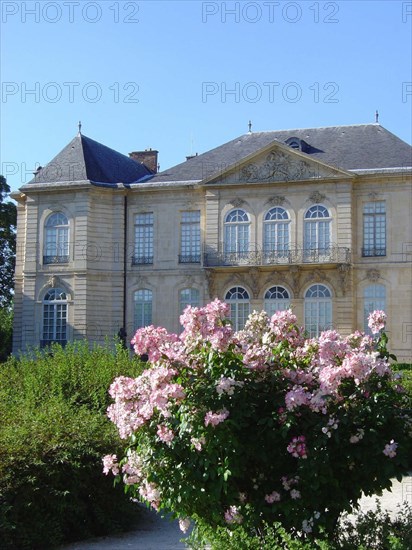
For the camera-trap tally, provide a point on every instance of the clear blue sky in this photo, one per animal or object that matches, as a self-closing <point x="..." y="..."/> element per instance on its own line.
<point x="186" y="76"/>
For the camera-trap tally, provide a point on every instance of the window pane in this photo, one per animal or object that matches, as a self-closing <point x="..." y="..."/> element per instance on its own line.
<point x="190" y="236"/>
<point x="143" y="253"/>
<point x="374" y="297"/>
<point x="142" y="308"/>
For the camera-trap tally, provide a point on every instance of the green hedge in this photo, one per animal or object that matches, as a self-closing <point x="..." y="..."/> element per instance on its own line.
<point x="53" y="433"/>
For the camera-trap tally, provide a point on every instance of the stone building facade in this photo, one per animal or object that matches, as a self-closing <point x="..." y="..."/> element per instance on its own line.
<point x="319" y="220"/>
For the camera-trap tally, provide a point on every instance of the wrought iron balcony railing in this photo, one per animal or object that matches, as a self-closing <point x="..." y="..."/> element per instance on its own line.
<point x="368" y="252"/>
<point x="189" y="258"/>
<point x="142" y="260"/>
<point x="56" y="259"/>
<point x="296" y="255"/>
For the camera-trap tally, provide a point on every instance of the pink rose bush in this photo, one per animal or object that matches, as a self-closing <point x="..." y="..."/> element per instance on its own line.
<point x="262" y="425"/>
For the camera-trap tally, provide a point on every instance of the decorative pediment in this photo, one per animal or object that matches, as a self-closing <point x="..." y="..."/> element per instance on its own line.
<point x="277" y="165"/>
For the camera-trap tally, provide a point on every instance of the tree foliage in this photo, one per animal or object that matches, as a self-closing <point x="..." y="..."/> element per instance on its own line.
<point x="8" y="218"/>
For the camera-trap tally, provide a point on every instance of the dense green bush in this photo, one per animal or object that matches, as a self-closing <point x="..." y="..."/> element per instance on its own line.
<point x="373" y="530"/>
<point x="53" y="433"/>
<point x="6" y="332"/>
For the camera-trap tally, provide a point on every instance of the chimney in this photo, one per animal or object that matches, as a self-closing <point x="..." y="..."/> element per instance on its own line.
<point x="147" y="157"/>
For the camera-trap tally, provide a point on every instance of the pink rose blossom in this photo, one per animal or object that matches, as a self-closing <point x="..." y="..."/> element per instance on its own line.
<point x="216" y="418"/>
<point x="232" y="515"/>
<point x="165" y="434"/>
<point x="273" y="497"/>
<point x="184" y="524"/>
<point x="110" y="465"/>
<point x="297" y="447"/>
<point x="377" y="321"/>
<point x="390" y="449"/>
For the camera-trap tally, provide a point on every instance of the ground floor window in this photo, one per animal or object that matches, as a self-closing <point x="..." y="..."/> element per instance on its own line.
<point x="374" y="297"/>
<point x="54" y="317"/>
<point x="142" y="308"/>
<point x="318" y="310"/>
<point x="277" y="298"/>
<point x="238" y="300"/>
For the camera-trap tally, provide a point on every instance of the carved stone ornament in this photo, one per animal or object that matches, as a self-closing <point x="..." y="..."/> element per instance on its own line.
<point x="344" y="270"/>
<point x="373" y="196"/>
<point x="276" y="200"/>
<point x="278" y="166"/>
<point x="373" y="275"/>
<point x="237" y="203"/>
<point x="294" y="271"/>
<point x="211" y="283"/>
<point x="317" y="197"/>
<point x="254" y="282"/>
<point x="53" y="280"/>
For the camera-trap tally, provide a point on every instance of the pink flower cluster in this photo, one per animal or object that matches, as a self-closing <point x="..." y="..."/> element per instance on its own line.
<point x="165" y="434"/>
<point x="377" y="321"/>
<point x="137" y="399"/>
<point x="216" y="418"/>
<point x="297" y="447"/>
<point x="227" y="385"/>
<point x="206" y="324"/>
<point x="155" y="342"/>
<point x="232" y="515"/>
<point x="110" y="464"/>
<point x="273" y="497"/>
<point x="390" y="449"/>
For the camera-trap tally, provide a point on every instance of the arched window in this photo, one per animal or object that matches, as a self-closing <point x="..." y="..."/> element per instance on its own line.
<point x="188" y="297"/>
<point x="276" y="234"/>
<point x="56" y="239"/>
<point x="277" y="298"/>
<point x="142" y="308"/>
<point x="54" y="317"/>
<point x="374" y="297"/>
<point x="317" y="232"/>
<point x="238" y="299"/>
<point x="318" y="309"/>
<point x="237" y="228"/>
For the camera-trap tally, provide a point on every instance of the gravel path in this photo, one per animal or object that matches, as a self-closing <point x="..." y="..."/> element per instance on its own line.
<point x="155" y="533"/>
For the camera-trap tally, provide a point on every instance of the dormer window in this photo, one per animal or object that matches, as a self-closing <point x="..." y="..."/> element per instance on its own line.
<point x="294" y="143"/>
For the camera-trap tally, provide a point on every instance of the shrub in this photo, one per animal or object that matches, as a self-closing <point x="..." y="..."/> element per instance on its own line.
<point x="263" y="426"/>
<point x="52" y="435"/>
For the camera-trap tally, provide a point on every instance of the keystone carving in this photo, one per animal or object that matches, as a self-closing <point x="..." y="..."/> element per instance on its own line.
<point x="373" y="275"/>
<point x="317" y="197"/>
<point x="344" y="270"/>
<point x="276" y="200"/>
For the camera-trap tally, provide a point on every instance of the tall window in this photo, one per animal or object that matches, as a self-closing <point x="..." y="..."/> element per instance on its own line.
<point x="317" y="229"/>
<point x="238" y="299"/>
<point x="374" y="297"/>
<point x="143" y="239"/>
<point x="237" y="227"/>
<point x="277" y="298"/>
<point x="54" y="317"/>
<point x="142" y="308"/>
<point x="190" y="237"/>
<point x="56" y="239"/>
<point x="188" y="297"/>
<point x="318" y="310"/>
<point x="276" y="233"/>
<point x="374" y="229"/>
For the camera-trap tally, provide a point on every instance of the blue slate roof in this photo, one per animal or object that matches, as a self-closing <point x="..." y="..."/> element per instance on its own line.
<point x="355" y="147"/>
<point x="85" y="159"/>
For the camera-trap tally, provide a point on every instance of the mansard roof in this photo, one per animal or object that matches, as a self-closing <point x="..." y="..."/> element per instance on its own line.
<point x="357" y="147"/>
<point x="85" y="159"/>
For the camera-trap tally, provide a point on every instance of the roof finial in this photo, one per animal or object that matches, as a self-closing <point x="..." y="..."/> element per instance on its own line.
<point x="376" y="117"/>
<point x="250" y="126"/>
<point x="80" y="126"/>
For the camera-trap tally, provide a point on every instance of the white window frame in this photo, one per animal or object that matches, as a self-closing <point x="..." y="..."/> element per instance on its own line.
<point x="276" y="298"/>
<point x="143" y="308"/>
<point x="54" y="325"/>
<point x="276" y="234"/>
<point x="237" y="234"/>
<point x="143" y="238"/>
<point x="374" y="297"/>
<point x="239" y="301"/>
<point x="317" y="233"/>
<point x="374" y="229"/>
<point x="318" y="309"/>
<point x="190" y="237"/>
<point x="56" y="245"/>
